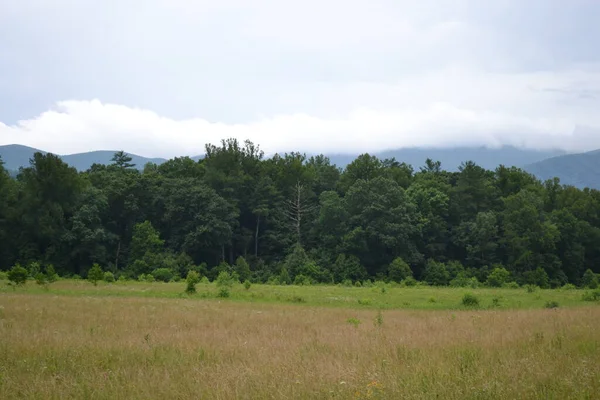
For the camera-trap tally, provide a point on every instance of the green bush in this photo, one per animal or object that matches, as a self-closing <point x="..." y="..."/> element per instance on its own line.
<point x="40" y="278"/>
<point x="51" y="274"/>
<point x="224" y="292"/>
<point x="122" y="278"/>
<point x="18" y="275"/>
<point x="399" y="270"/>
<point x="409" y="282"/>
<point x="462" y="280"/>
<point x="436" y="273"/>
<point x="34" y="269"/>
<point x="531" y="288"/>
<point x="95" y="274"/>
<point x="149" y="278"/>
<point x="247" y="285"/>
<point x="191" y="280"/>
<point x="569" y="286"/>
<point x="224" y="279"/>
<point x="593" y="295"/>
<point x="76" y="277"/>
<point x="109" y="277"/>
<point x="204" y="280"/>
<point x="162" y="274"/>
<point x="347" y="282"/>
<point x="470" y="300"/>
<point x="498" y="277"/>
<point x="2" y="275"/>
<point x="302" y="280"/>
<point x="590" y="280"/>
<point x="551" y="304"/>
<point x="142" y="278"/>
<point x="511" y="285"/>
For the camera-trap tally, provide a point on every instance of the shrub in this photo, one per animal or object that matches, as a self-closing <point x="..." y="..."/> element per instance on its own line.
<point x="347" y="282"/>
<point x="34" y="269"/>
<point x="462" y="280"/>
<point x="399" y="270"/>
<point x="242" y="268"/>
<point x="17" y="275"/>
<point x="109" y="277"/>
<point x="531" y="288"/>
<point x="224" y="279"/>
<point x="594" y="295"/>
<point x="436" y="273"/>
<point x="247" y="285"/>
<point x="589" y="280"/>
<point x="149" y="278"/>
<point x="302" y="280"/>
<point x="191" y="280"/>
<point x="76" y="277"/>
<point x="354" y="321"/>
<point x="538" y="277"/>
<point x="122" y="278"/>
<point x="40" y="278"/>
<point x="162" y="274"/>
<point x="2" y="275"/>
<point x="551" y="304"/>
<point x="569" y="286"/>
<point x="142" y="278"/>
<point x="470" y="300"/>
<point x="496" y="301"/>
<point x="95" y="274"/>
<point x="357" y="284"/>
<point x="204" y="280"/>
<point x="409" y="282"/>
<point x="498" y="277"/>
<point x="511" y="285"/>
<point x="223" y="292"/>
<point x="51" y="274"/>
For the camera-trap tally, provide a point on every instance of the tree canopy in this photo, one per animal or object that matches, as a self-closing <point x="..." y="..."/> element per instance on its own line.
<point x="289" y="215"/>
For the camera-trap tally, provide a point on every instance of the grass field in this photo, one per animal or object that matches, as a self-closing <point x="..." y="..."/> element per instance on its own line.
<point x="146" y="341"/>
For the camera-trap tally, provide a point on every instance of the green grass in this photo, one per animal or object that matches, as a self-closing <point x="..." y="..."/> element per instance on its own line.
<point x="394" y="297"/>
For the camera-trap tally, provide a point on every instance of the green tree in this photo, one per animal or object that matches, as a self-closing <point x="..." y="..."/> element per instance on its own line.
<point x="399" y="270"/>
<point x="95" y="274"/>
<point x="436" y="273"/>
<point x="498" y="277"/>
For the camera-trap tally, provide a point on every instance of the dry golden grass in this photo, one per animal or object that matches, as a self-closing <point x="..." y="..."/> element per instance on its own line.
<point x="59" y="347"/>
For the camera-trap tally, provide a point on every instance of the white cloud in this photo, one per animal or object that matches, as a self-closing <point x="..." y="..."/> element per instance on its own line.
<point x="455" y="107"/>
<point x="315" y="76"/>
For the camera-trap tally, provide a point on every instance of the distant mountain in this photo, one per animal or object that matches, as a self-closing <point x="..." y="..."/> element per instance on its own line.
<point x="579" y="170"/>
<point x="16" y="156"/>
<point x="82" y="161"/>
<point x="451" y="158"/>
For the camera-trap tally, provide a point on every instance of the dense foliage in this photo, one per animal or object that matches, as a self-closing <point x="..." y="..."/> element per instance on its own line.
<point x="290" y="218"/>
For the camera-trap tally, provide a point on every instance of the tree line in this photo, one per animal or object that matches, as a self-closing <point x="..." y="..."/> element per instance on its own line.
<point x="292" y="218"/>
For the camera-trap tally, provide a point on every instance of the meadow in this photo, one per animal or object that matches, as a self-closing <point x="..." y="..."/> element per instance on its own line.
<point x="138" y="340"/>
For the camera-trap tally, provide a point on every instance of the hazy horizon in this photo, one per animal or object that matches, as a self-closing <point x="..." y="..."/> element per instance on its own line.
<point x="162" y="78"/>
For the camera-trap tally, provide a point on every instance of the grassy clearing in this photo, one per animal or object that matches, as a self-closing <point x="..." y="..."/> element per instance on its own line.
<point x="391" y="297"/>
<point x="98" y="347"/>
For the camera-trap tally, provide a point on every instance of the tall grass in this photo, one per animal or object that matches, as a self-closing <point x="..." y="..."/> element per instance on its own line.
<point x="66" y="347"/>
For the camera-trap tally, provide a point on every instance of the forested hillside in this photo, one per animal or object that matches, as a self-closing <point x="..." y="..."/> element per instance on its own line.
<point x="288" y="218"/>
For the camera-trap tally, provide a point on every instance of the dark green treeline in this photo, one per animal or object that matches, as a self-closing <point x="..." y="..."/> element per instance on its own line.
<point x="291" y="216"/>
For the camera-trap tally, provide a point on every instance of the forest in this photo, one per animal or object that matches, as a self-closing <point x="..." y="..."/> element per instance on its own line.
<point x="296" y="219"/>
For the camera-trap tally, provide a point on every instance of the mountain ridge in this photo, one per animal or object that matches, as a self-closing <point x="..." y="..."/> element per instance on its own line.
<point x="577" y="169"/>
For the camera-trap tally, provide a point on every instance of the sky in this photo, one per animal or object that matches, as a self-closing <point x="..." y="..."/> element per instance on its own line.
<point x="161" y="78"/>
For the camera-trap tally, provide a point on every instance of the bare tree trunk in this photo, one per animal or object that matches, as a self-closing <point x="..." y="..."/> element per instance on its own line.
<point x="297" y="209"/>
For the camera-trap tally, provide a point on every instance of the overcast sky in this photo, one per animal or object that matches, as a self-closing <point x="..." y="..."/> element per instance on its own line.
<point x="163" y="77"/>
